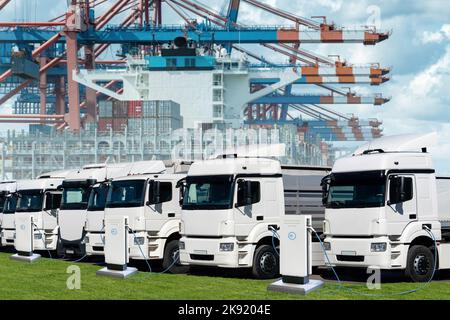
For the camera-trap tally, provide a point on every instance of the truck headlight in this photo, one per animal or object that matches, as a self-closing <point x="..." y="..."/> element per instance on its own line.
<point x="86" y="239"/>
<point x="139" y="241"/>
<point x="227" y="246"/>
<point x="378" y="247"/>
<point x="181" y="245"/>
<point x="327" y="246"/>
<point x="37" y="236"/>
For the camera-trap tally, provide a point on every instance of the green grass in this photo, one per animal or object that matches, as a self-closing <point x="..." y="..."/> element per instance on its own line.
<point x="46" y="279"/>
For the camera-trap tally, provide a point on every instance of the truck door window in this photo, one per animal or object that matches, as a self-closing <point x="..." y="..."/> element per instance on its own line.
<point x="53" y="201"/>
<point x="97" y="198"/>
<point x="2" y="200"/>
<point x="255" y="192"/>
<point x="10" y="204"/>
<point x="165" y="191"/>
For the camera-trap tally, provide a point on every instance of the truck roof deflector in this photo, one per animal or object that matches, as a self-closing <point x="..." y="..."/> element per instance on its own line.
<point x="400" y="143"/>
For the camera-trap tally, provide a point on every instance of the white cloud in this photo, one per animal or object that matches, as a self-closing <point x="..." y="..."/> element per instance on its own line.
<point x="333" y="5"/>
<point x="438" y="36"/>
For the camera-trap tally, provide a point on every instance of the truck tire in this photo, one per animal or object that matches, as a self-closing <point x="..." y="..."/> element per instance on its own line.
<point x="420" y="263"/>
<point x="266" y="263"/>
<point x="171" y="252"/>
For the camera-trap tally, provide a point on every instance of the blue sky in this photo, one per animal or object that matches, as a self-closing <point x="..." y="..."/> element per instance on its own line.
<point x="418" y="51"/>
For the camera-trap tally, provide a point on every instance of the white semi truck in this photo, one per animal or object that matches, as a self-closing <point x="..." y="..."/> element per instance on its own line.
<point x="95" y="216"/>
<point x="151" y="203"/>
<point x="89" y="182"/>
<point x="40" y="199"/>
<point x="384" y="205"/>
<point x="232" y="206"/>
<point x="8" y="207"/>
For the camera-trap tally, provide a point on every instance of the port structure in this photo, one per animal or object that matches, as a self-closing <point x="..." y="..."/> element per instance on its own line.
<point x="43" y="64"/>
<point x="52" y="71"/>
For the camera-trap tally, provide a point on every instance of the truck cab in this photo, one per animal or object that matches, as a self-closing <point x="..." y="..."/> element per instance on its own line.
<point x="39" y="198"/>
<point x="232" y="206"/>
<point x="152" y="204"/>
<point x="77" y="190"/>
<point x="95" y="215"/>
<point x="380" y="202"/>
<point x="8" y="200"/>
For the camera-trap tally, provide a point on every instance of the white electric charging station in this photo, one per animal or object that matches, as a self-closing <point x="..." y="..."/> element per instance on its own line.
<point x="24" y="239"/>
<point x="116" y="249"/>
<point x="295" y="256"/>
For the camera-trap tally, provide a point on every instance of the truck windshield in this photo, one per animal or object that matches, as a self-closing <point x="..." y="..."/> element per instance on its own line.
<point x="208" y="192"/>
<point x="10" y="204"/>
<point x="364" y="189"/>
<point x="30" y="201"/>
<point x="75" y="198"/>
<point x="97" y="199"/>
<point x="126" y="193"/>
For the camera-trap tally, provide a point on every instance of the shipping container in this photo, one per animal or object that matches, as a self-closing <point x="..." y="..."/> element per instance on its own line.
<point x="120" y="109"/>
<point x="119" y="124"/>
<point x="149" y="109"/>
<point x="134" y="125"/>
<point x="160" y="108"/>
<point x="135" y="109"/>
<point x="105" y="124"/>
<point x="105" y="109"/>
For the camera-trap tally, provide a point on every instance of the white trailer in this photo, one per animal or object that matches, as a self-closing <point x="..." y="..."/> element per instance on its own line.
<point x="8" y="207"/>
<point x="77" y="190"/>
<point x="230" y="206"/>
<point x="39" y="199"/>
<point x="384" y="206"/>
<point x="151" y="203"/>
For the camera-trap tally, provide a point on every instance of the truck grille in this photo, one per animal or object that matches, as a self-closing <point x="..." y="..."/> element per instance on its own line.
<point x="203" y="257"/>
<point x="350" y="258"/>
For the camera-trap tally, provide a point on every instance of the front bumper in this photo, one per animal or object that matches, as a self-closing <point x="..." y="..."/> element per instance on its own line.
<point x="96" y="244"/>
<point x="205" y="252"/>
<point x="72" y="248"/>
<point x="45" y="240"/>
<point x="356" y="252"/>
<point x="8" y="236"/>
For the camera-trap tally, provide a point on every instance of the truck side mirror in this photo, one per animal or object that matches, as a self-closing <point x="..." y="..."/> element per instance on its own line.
<point x="245" y="197"/>
<point x="154" y="192"/>
<point x="400" y="189"/>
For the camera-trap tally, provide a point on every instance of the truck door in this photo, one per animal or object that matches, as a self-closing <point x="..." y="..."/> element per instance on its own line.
<point x="401" y="213"/>
<point x="52" y="203"/>
<point x="260" y="207"/>
<point x="159" y="207"/>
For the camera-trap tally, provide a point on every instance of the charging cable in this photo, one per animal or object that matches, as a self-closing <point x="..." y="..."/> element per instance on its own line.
<point x="146" y="260"/>
<point x="43" y="239"/>
<point x="341" y="285"/>
<point x="275" y="235"/>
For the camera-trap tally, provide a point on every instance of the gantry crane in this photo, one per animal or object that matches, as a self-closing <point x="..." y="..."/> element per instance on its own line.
<point x="56" y="46"/>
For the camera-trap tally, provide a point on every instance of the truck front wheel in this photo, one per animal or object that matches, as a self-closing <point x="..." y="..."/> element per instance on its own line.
<point x="171" y="258"/>
<point x="266" y="264"/>
<point x="420" y="264"/>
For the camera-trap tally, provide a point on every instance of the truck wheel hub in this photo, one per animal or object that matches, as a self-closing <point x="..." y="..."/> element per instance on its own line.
<point x="267" y="262"/>
<point x="421" y="265"/>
